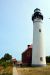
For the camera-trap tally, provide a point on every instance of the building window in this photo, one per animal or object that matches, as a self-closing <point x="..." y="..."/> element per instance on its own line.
<point x="39" y="30"/>
<point x="41" y="58"/>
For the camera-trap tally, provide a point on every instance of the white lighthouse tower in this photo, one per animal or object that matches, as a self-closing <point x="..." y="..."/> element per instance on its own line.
<point x="38" y="51"/>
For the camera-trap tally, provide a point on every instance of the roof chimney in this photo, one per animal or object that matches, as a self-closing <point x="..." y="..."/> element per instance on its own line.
<point x="28" y="46"/>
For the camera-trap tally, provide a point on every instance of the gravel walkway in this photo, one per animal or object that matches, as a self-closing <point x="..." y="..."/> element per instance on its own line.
<point x="15" y="71"/>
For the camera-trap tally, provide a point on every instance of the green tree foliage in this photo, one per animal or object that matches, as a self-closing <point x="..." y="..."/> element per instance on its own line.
<point x="7" y="57"/>
<point x="6" y="60"/>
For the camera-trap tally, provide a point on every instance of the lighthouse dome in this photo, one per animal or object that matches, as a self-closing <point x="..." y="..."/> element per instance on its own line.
<point x="37" y="14"/>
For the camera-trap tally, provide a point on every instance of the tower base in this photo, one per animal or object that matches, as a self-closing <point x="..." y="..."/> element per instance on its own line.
<point x="38" y="65"/>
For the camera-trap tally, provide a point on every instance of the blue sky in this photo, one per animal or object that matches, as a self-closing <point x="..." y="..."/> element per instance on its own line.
<point x="16" y="27"/>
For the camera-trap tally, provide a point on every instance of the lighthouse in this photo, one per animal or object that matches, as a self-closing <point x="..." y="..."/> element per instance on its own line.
<point x="38" y="50"/>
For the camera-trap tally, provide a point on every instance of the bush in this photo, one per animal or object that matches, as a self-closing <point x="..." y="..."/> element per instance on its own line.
<point x="4" y="64"/>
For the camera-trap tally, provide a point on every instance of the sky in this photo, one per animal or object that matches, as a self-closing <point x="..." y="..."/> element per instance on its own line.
<point x="16" y="26"/>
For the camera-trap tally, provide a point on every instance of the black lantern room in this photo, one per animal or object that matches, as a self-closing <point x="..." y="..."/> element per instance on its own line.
<point x="37" y="14"/>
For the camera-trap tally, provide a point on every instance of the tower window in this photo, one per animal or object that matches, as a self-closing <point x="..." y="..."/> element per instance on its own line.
<point x="39" y="30"/>
<point x="41" y="58"/>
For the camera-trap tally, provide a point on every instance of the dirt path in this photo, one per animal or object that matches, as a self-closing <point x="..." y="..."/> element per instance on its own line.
<point x="15" y="71"/>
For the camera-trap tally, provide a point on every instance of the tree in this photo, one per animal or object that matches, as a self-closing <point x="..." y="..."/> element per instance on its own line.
<point x="6" y="60"/>
<point x="7" y="57"/>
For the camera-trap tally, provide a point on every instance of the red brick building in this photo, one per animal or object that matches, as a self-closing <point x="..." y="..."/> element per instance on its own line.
<point x="27" y="56"/>
<point x="14" y="61"/>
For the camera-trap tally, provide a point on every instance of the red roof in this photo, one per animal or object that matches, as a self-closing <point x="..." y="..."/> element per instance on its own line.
<point x="14" y="60"/>
<point x="29" y="46"/>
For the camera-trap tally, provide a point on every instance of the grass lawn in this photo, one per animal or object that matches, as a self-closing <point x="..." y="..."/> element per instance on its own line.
<point x="6" y="71"/>
<point x="34" y="70"/>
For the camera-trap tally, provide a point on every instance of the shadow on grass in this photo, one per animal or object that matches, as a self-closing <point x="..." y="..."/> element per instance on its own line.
<point x="5" y="74"/>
